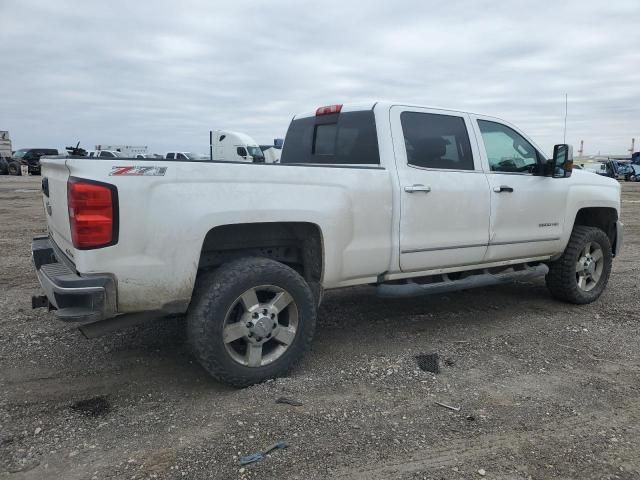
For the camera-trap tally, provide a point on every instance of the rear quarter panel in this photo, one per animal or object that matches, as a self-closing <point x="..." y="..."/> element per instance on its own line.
<point x="164" y="220"/>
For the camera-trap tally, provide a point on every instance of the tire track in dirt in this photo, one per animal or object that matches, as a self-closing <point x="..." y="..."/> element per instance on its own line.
<point x="477" y="450"/>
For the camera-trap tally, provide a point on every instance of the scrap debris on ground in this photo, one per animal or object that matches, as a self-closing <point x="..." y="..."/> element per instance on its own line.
<point x="429" y="362"/>
<point x="289" y="401"/>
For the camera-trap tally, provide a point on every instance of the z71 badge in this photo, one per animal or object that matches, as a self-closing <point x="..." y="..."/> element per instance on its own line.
<point x="138" y="171"/>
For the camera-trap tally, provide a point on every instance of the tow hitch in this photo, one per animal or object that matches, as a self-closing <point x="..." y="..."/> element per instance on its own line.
<point x="40" y="301"/>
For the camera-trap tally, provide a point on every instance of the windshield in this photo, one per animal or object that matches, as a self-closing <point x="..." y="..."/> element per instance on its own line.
<point x="255" y="152"/>
<point x="20" y="153"/>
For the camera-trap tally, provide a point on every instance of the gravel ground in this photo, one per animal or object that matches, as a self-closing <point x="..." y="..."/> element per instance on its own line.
<point x="545" y="389"/>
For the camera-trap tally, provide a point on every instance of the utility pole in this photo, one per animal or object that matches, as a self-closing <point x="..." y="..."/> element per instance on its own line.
<point x="581" y="149"/>
<point x="633" y="146"/>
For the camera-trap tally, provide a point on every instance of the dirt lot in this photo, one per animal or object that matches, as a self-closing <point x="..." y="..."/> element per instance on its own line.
<point x="546" y="389"/>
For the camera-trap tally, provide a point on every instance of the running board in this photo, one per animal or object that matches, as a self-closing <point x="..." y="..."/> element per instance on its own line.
<point x="104" y="327"/>
<point x="483" y="279"/>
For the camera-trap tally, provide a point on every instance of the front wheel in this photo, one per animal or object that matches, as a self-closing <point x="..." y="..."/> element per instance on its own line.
<point x="581" y="274"/>
<point x="251" y="320"/>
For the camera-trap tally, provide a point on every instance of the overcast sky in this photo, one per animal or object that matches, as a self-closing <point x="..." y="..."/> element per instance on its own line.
<point x="163" y="73"/>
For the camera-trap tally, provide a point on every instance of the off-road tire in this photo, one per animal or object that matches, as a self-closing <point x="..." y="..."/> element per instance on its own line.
<point x="561" y="279"/>
<point x="14" y="169"/>
<point x="214" y="294"/>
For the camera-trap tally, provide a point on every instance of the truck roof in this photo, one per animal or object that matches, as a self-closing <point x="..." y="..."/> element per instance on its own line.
<point x="356" y="107"/>
<point x="386" y="105"/>
<point x="243" y="138"/>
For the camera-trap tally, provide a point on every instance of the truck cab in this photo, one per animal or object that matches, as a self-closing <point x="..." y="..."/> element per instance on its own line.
<point x="231" y="146"/>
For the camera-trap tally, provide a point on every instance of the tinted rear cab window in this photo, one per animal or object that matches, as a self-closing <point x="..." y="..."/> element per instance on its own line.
<point x="348" y="138"/>
<point x="436" y="141"/>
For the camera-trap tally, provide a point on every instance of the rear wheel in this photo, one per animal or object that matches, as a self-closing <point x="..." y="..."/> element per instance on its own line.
<point x="581" y="274"/>
<point x="14" y="168"/>
<point x="250" y="320"/>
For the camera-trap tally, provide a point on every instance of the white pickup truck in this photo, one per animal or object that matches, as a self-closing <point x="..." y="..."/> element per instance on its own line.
<point x="409" y="199"/>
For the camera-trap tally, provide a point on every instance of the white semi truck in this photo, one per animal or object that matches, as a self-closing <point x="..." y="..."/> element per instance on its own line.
<point x="231" y="146"/>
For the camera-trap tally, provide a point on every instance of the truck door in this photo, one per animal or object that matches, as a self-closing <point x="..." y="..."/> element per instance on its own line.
<point x="241" y="153"/>
<point x="444" y="193"/>
<point x="527" y="209"/>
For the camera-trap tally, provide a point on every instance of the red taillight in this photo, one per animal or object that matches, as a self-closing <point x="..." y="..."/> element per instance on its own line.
<point x="328" y="110"/>
<point x="93" y="213"/>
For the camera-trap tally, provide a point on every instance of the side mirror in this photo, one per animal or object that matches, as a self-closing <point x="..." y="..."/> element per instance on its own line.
<point x="561" y="165"/>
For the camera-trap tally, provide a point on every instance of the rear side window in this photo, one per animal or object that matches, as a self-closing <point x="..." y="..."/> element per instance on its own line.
<point x="436" y="141"/>
<point x="241" y="151"/>
<point x="171" y="156"/>
<point x="348" y="138"/>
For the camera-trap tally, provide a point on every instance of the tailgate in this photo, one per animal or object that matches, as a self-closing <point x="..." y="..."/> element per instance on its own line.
<point x="54" y="196"/>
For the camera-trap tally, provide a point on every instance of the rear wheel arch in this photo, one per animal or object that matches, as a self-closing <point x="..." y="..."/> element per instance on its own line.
<point x="296" y="244"/>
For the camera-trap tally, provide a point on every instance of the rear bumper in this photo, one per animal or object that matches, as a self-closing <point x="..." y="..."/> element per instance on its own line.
<point x="619" y="238"/>
<point x="75" y="298"/>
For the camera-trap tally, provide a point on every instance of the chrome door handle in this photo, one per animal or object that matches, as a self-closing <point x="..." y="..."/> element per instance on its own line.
<point x="417" y="188"/>
<point x="503" y="188"/>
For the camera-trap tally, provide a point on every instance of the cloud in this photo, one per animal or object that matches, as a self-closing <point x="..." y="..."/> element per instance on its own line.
<point x="164" y="73"/>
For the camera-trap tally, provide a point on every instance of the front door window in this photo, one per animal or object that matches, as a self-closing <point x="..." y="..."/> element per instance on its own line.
<point x="507" y="150"/>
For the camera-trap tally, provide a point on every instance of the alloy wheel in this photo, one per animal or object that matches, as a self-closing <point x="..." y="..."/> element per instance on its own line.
<point x="589" y="266"/>
<point x="260" y="326"/>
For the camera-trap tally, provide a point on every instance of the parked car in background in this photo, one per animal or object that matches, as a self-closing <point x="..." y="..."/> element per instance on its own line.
<point x="104" y="154"/>
<point x="606" y="168"/>
<point x="186" y="156"/>
<point x="597" y="167"/>
<point x="624" y="170"/>
<point x="31" y="158"/>
<point x="148" y="155"/>
<point x="410" y="199"/>
<point x="635" y="176"/>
